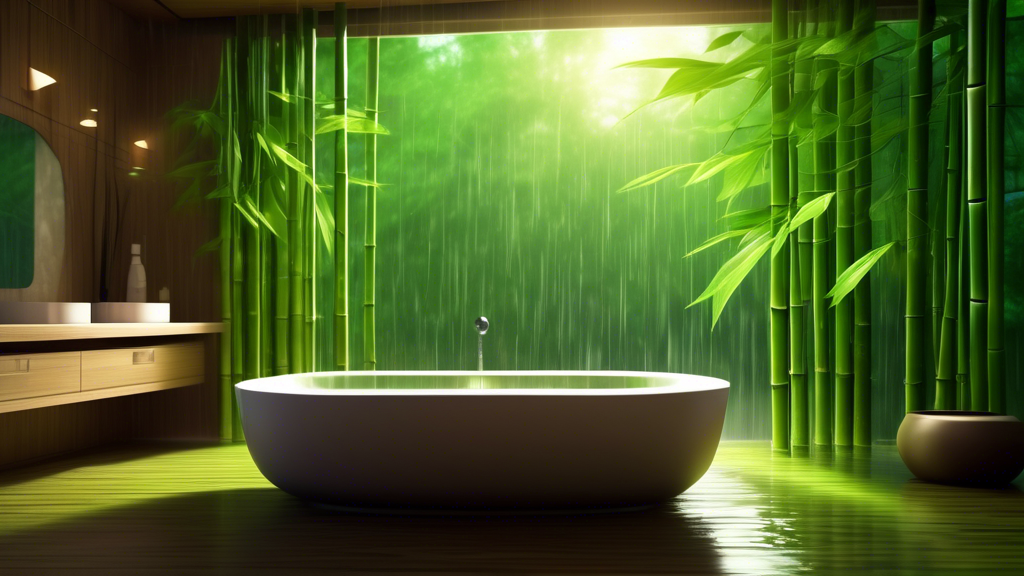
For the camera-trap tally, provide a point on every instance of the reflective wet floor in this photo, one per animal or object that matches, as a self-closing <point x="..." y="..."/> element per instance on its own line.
<point x="187" y="509"/>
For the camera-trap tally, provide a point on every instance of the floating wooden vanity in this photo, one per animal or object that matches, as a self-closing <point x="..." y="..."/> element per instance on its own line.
<point x="51" y="364"/>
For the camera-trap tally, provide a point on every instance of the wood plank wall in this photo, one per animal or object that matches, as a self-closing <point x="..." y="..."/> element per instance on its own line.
<point x="132" y="72"/>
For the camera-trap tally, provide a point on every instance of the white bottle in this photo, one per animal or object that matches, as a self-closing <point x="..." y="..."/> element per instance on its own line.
<point x="136" y="277"/>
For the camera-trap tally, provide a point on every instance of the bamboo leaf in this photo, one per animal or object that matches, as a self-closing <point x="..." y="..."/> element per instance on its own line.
<point x="242" y="210"/>
<point x="352" y="125"/>
<point x="731" y="274"/>
<point x="656" y="176"/>
<point x="208" y="247"/>
<point x="266" y="149"/>
<point x="273" y="215"/>
<point x="286" y="157"/>
<point x="222" y="192"/>
<point x="852" y="276"/>
<point x="740" y="176"/>
<point x="194" y="170"/>
<point x="896" y="192"/>
<point x="668" y="63"/>
<point x="747" y="218"/>
<point x="940" y="32"/>
<point x="716" y="164"/>
<point x="289" y="98"/>
<point x="715" y="240"/>
<point x="724" y="40"/>
<point x="190" y="193"/>
<point x="805" y="214"/>
<point x="811" y="210"/>
<point x="362" y="182"/>
<point x="325" y="218"/>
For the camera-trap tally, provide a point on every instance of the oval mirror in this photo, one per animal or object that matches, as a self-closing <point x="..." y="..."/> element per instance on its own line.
<point x="31" y="212"/>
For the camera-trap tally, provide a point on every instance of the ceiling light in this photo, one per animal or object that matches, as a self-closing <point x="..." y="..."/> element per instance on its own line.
<point x="37" y="80"/>
<point x="93" y="110"/>
<point x="88" y="123"/>
<point x="142" y="144"/>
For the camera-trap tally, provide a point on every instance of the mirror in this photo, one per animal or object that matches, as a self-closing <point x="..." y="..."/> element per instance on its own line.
<point x="31" y="212"/>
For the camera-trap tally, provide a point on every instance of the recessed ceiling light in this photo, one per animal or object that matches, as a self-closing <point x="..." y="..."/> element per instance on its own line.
<point x="38" y="80"/>
<point x="142" y="144"/>
<point x="88" y="123"/>
<point x="93" y="110"/>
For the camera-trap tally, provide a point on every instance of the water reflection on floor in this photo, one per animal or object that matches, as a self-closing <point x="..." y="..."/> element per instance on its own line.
<point x="172" y="510"/>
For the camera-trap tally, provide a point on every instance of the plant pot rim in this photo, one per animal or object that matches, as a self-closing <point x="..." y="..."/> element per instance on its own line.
<point x="963" y="416"/>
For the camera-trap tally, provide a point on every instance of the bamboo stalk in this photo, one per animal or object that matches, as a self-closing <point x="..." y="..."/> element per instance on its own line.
<point x="824" y="164"/>
<point x="308" y="103"/>
<point x="341" y="330"/>
<point x="862" y="369"/>
<point x="282" y="363"/>
<point x="237" y="269"/>
<point x="937" y="239"/>
<point x="963" y="341"/>
<point x="370" y="260"/>
<point x="805" y="236"/>
<point x="266" y="255"/>
<point x="226" y="384"/>
<point x="295" y="321"/>
<point x="917" y="211"/>
<point x="779" y="205"/>
<point x="845" y="193"/>
<point x="249" y="236"/>
<point x="996" y="129"/>
<point x="945" y="377"/>
<point x="977" y="195"/>
<point x="797" y="350"/>
<point x="799" y="393"/>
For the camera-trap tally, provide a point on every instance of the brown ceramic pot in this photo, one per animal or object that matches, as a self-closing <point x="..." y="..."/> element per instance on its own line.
<point x="962" y="448"/>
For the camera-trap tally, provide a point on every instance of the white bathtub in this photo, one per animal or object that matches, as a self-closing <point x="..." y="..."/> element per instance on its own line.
<point x="483" y="440"/>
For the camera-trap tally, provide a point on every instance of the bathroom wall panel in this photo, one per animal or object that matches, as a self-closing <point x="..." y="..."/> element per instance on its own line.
<point x="133" y="72"/>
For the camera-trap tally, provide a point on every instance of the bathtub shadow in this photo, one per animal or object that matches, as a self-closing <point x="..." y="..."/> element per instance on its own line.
<point x="265" y="531"/>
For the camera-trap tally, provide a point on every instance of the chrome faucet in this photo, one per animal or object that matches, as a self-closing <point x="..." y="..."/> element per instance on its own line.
<point x="481" y="326"/>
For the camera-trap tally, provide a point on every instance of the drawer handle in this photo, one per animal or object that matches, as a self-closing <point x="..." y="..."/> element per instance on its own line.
<point x="14" y="366"/>
<point x="144" y="356"/>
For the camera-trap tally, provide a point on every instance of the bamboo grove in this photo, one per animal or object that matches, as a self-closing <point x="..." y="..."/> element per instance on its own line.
<point x="274" y="215"/>
<point x="828" y="99"/>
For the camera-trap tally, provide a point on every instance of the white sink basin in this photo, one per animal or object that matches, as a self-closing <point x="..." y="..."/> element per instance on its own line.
<point x="45" y="313"/>
<point x="134" y="312"/>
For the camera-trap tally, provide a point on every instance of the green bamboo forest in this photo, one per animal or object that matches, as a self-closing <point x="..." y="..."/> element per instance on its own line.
<point x="826" y="210"/>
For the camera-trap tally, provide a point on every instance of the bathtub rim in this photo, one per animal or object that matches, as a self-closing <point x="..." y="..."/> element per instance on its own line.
<point x="675" y="384"/>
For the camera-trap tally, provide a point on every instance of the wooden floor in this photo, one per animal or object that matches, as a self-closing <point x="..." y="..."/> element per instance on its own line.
<point x="186" y="509"/>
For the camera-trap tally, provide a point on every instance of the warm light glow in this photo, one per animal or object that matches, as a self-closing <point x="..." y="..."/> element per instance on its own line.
<point x="37" y="80"/>
<point x="137" y="168"/>
<point x="142" y="144"/>
<point x="88" y="123"/>
<point x="93" y="110"/>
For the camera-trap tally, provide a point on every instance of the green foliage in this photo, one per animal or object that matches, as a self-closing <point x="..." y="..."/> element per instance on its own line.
<point x="852" y="276"/>
<point x="743" y="163"/>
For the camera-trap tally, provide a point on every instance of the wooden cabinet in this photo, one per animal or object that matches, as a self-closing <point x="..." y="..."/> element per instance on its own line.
<point x="129" y="366"/>
<point x="53" y="364"/>
<point x="33" y="375"/>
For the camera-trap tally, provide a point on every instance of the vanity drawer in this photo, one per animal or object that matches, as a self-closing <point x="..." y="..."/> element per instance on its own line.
<point x="128" y="366"/>
<point x="33" y="375"/>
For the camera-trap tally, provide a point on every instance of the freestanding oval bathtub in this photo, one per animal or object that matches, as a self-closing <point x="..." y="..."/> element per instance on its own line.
<point x="483" y="440"/>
